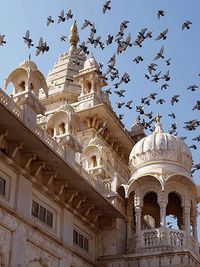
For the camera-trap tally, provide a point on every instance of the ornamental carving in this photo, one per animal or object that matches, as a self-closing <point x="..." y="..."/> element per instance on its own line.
<point x="35" y="255"/>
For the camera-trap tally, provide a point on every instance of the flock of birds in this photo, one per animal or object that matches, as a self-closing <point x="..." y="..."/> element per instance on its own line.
<point x="111" y="74"/>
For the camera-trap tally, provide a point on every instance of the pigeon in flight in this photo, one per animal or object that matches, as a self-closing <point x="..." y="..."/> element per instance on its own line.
<point x="186" y="25"/>
<point x="160" y="13"/>
<point x="192" y="87"/>
<point x="49" y="20"/>
<point x="27" y="39"/>
<point x="61" y="17"/>
<point x="162" y="35"/>
<point x="42" y="47"/>
<point x="69" y="14"/>
<point x="2" y="41"/>
<point x="106" y="6"/>
<point x="128" y="104"/>
<point x="160" y="54"/>
<point x="86" y="24"/>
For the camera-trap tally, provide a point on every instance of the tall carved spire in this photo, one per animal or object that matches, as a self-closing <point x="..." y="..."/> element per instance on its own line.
<point x="73" y="38"/>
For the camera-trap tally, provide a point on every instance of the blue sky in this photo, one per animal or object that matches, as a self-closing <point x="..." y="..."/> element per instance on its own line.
<point x="183" y="46"/>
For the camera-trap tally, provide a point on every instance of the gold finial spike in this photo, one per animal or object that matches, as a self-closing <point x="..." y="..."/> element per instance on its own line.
<point x="158" y="117"/>
<point x="73" y="38"/>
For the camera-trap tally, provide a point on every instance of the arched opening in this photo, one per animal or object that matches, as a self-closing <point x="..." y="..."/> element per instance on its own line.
<point x="61" y="128"/>
<point x="174" y="212"/>
<point x="150" y="211"/>
<point x="50" y="131"/>
<point x="21" y="86"/>
<point x="93" y="161"/>
<point x="88" y="87"/>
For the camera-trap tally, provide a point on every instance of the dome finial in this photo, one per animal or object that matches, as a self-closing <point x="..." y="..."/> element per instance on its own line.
<point x="73" y="38"/>
<point x="158" y="128"/>
<point x="158" y="117"/>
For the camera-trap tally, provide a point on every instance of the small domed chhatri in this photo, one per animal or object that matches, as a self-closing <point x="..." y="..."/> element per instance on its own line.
<point x="160" y="147"/>
<point x="90" y="63"/>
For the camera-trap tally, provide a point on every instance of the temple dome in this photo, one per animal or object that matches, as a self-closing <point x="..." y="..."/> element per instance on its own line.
<point x="160" y="147"/>
<point x="90" y="63"/>
<point x="28" y="64"/>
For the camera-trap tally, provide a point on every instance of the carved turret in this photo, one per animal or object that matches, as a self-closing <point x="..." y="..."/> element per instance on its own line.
<point x="28" y="83"/>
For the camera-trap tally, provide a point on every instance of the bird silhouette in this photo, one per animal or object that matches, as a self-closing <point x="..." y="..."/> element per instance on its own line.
<point x="49" y="20"/>
<point x="174" y="99"/>
<point x="106" y="6"/>
<point x="61" y="17"/>
<point x="69" y="14"/>
<point x="160" y="13"/>
<point x="159" y="54"/>
<point x="128" y="104"/>
<point x="86" y="24"/>
<point x="42" y="47"/>
<point x="2" y="41"/>
<point x="186" y="25"/>
<point x="27" y="39"/>
<point x="162" y="35"/>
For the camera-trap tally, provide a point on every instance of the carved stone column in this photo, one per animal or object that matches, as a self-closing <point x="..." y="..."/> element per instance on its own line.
<point x="163" y="206"/>
<point x="138" y="211"/>
<point x="187" y="220"/>
<point x="194" y="228"/>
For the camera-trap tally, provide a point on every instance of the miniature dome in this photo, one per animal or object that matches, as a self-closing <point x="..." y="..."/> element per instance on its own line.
<point x="160" y="147"/>
<point x="28" y="64"/>
<point x="90" y="63"/>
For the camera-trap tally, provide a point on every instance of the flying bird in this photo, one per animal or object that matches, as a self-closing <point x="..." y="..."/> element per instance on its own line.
<point x="186" y="25"/>
<point x="162" y="35"/>
<point x="120" y="104"/>
<point x="168" y="61"/>
<point x="128" y="104"/>
<point x="166" y="76"/>
<point x="69" y="14"/>
<point x="120" y="93"/>
<point x="49" y="20"/>
<point x="174" y="99"/>
<point x="42" y="47"/>
<point x="172" y="115"/>
<point x="151" y="67"/>
<point x="164" y="86"/>
<point x="106" y="6"/>
<point x="27" y="39"/>
<point x="192" y="87"/>
<point x="109" y="39"/>
<point x="138" y="59"/>
<point x="156" y="77"/>
<point x="160" y="13"/>
<point x="2" y="41"/>
<point x="160" y="54"/>
<point x="63" y="38"/>
<point x="86" y="24"/>
<point x="61" y="17"/>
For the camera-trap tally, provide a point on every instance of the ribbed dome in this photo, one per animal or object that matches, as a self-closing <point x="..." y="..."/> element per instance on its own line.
<point x="90" y="63"/>
<point x="28" y="64"/>
<point x="160" y="147"/>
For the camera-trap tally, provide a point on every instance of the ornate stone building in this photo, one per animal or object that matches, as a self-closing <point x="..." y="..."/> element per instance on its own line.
<point x="76" y="188"/>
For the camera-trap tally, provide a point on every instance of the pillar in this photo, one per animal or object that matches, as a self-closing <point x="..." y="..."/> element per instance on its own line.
<point x="194" y="228"/>
<point x="163" y="206"/>
<point x="187" y="220"/>
<point x="138" y="211"/>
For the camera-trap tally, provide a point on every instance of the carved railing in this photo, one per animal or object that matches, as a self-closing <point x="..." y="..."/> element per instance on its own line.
<point x="162" y="237"/>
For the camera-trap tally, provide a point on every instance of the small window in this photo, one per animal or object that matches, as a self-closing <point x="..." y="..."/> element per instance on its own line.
<point x="35" y="209"/>
<point x="49" y="220"/>
<point x="42" y="214"/>
<point x="80" y="240"/>
<point x="2" y="186"/>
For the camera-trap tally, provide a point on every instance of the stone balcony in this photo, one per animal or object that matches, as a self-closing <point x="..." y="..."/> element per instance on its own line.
<point x="153" y="239"/>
